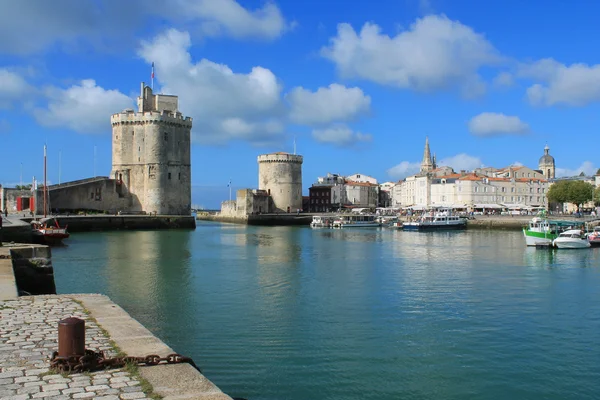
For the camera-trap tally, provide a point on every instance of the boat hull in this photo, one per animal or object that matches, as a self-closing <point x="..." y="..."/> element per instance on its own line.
<point x="571" y="244"/>
<point x="533" y="238"/>
<point x="416" y="226"/>
<point x="351" y="225"/>
<point x="594" y="243"/>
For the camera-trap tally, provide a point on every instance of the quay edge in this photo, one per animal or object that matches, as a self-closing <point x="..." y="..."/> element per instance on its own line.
<point x="290" y="219"/>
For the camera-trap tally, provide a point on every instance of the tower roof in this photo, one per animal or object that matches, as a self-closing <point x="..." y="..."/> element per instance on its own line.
<point x="546" y="158"/>
<point x="426" y="164"/>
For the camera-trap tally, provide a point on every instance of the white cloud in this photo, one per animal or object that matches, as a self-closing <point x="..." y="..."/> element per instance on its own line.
<point x="517" y="164"/>
<point x="84" y="108"/>
<point x="491" y="124"/>
<point x="461" y="162"/>
<point x="37" y="25"/>
<point x="13" y="88"/>
<point x="434" y="54"/>
<point x="587" y="167"/>
<point x="225" y="105"/>
<point x="335" y="103"/>
<point x="340" y="135"/>
<point x="574" y="85"/>
<point x="504" y="79"/>
<point x="404" y="169"/>
<point x="228" y="17"/>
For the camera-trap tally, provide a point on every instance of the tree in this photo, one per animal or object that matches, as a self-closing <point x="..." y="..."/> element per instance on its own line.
<point x="576" y="192"/>
<point x="23" y="187"/>
<point x="597" y="196"/>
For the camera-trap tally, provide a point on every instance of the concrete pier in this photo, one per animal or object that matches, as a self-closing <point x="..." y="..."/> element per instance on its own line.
<point x="260" y="219"/>
<point x="29" y="335"/>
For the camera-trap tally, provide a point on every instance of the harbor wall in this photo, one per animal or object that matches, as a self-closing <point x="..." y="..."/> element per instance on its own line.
<point x="259" y="219"/>
<point x="88" y="223"/>
<point x="25" y="269"/>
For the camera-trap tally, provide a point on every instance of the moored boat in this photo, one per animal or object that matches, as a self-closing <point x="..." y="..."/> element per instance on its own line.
<point x="542" y="231"/>
<point x="48" y="231"/>
<point x="436" y="222"/>
<point x="321" y="221"/>
<point x="356" y="221"/>
<point x="594" y="237"/>
<point x="571" y="239"/>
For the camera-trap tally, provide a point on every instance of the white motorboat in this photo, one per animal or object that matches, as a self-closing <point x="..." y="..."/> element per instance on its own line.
<point x="321" y="221"/>
<point x="571" y="239"/>
<point x="356" y="221"/>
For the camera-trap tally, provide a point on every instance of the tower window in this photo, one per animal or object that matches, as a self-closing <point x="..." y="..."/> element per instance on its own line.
<point x="169" y="175"/>
<point x="116" y="137"/>
<point x="179" y="176"/>
<point x="166" y="136"/>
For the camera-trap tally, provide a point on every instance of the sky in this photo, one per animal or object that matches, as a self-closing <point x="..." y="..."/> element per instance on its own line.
<point x="357" y="86"/>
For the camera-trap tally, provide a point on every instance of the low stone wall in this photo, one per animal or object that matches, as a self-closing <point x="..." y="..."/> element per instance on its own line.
<point x="33" y="271"/>
<point x="260" y="219"/>
<point x="87" y="223"/>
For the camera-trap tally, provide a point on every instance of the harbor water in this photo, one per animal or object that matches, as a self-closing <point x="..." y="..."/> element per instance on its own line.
<point x="273" y="313"/>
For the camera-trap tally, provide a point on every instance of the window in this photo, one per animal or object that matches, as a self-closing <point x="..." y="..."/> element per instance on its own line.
<point x="512" y="189"/>
<point x="169" y="175"/>
<point x="179" y="176"/>
<point x="92" y="195"/>
<point x="166" y="136"/>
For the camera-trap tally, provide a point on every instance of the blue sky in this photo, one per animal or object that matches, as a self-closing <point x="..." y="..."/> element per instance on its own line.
<point x="359" y="85"/>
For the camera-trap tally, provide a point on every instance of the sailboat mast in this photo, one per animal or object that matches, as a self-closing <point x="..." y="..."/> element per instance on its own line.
<point x="45" y="182"/>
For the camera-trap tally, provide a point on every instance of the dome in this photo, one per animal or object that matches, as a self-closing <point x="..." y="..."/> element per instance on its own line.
<point x="546" y="159"/>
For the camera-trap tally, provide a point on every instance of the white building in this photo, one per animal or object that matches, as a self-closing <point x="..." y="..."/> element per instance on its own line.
<point x="513" y="187"/>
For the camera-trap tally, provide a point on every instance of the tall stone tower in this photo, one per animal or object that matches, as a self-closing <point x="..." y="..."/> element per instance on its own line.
<point x="280" y="174"/>
<point x="427" y="163"/>
<point x="151" y="155"/>
<point x="546" y="164"/>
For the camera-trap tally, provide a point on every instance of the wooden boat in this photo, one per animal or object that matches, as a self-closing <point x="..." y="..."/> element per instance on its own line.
<point x="48" y="231"/>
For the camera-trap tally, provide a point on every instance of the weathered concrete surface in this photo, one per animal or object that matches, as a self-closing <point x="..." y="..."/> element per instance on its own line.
<point x="179" y="381"/>
<point x="8" y="284"/>
<point x="16" y="230"/>
<point x="29" y="335"/>
<point x="262" y="219"/>
<point x="33" y="270"/>
<point x="87" y="223"/>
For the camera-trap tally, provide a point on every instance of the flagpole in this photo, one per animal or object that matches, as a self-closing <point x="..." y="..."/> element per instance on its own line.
<point x="59" y="159"/>
<point x="229" y="189"/>
<point x="45" y="182"/>
<point x="152" y="77"/>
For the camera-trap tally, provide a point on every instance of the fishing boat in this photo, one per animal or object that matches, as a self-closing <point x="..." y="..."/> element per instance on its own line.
<point x="571" y="239"/>
<point x="356" y="221"/>
<point x="48" y="231"/>
<point x="594" y="237"/>
<point x="440" y="221"/>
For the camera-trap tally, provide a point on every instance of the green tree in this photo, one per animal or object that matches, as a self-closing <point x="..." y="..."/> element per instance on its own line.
<point x="597" y="196"/>
<point x="558" y="192"/>
<point x="576" y="192"/>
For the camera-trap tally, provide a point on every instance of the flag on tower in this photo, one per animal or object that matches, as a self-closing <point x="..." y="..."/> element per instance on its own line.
<point x="229" y="184"/>
<point x="152" y="71"/>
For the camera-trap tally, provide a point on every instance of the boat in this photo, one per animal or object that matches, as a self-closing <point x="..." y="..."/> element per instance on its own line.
<point x="356" y="221"/>
<point x="321" y="221"/>
<point x="436" y="222"/>
<point x="48" y="231"/>
<point x="594" y="237"/>
<point x="571" y="239"/>
<point x="542" y="231"/>
<point x="395" y="225"/>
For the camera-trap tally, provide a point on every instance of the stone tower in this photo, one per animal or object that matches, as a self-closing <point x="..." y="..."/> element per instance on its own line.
<point x="546" y="164"/>
<point x="151" y="155"/>
<point x="280" y="174"/>
<point x="427" y="163"/>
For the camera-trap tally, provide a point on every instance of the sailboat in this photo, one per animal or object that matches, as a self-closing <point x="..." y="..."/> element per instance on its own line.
<point x="47" y="230"/>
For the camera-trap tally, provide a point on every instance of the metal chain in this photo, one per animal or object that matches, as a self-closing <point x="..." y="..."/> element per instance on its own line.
<point x="94" y="361"/>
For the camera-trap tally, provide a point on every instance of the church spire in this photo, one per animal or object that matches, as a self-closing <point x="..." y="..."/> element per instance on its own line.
<point x="426" y="164"/>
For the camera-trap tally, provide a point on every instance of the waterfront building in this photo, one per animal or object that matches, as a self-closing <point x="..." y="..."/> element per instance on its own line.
<point x="385" y="194"/>
<point x="513" y="187"/>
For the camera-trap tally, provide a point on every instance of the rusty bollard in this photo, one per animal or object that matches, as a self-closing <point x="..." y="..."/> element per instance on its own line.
<point x="71" y="337"/>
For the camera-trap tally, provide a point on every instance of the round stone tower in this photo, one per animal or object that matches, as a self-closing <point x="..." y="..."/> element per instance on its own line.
<point x="280" y="174"/>
<point x="546" y="164"/>
<point x="151" y="155"/>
